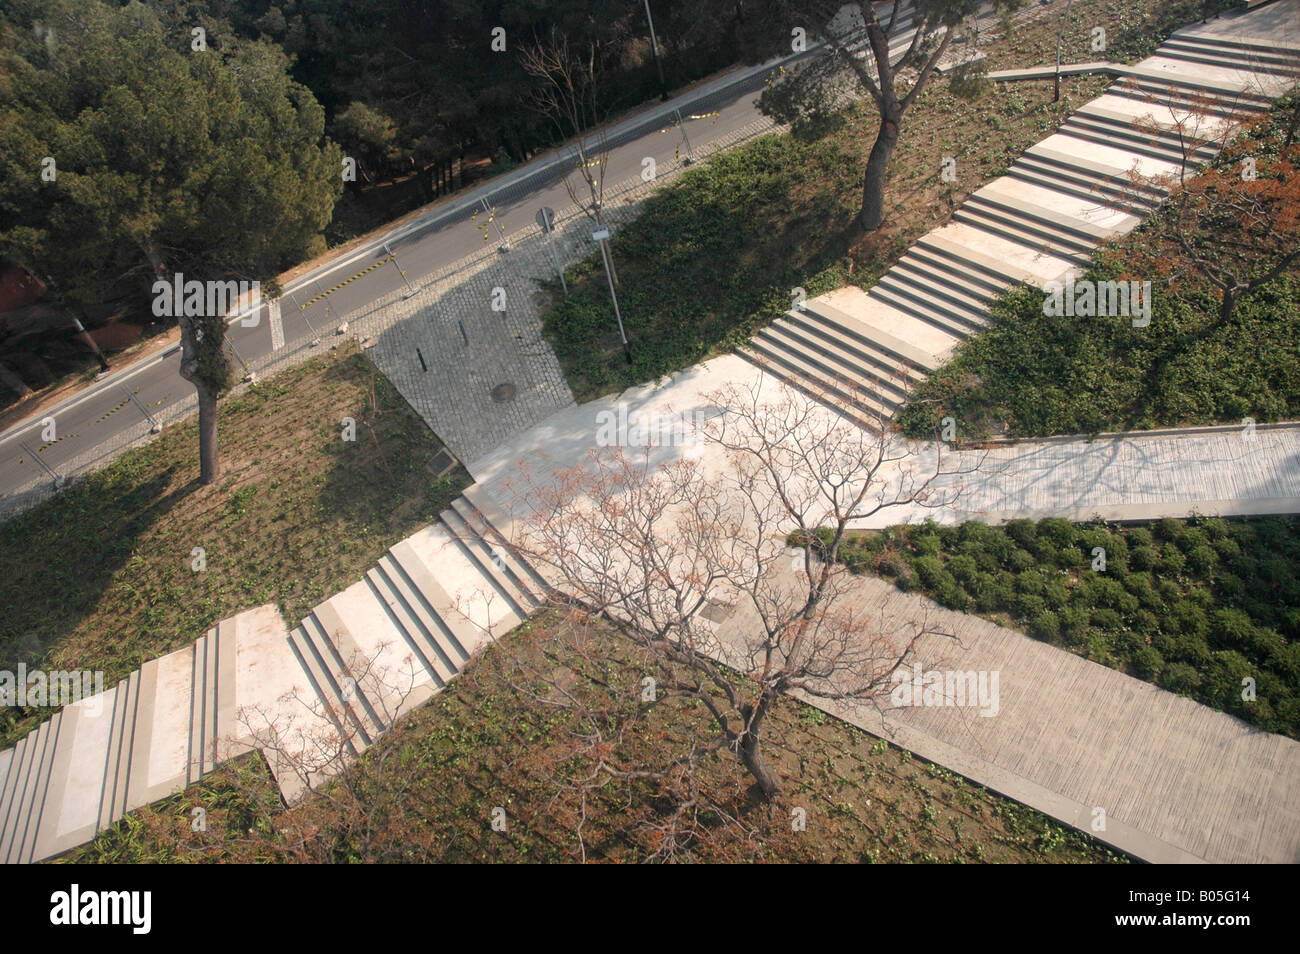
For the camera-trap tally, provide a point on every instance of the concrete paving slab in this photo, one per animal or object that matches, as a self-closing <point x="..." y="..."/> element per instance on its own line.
<point x="78" y="777"/>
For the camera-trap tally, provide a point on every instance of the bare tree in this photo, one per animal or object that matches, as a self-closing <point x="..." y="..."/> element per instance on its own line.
<point x="569" y="92"/>
<point x="696" y="567"/>
<point x="1235" y="224"/>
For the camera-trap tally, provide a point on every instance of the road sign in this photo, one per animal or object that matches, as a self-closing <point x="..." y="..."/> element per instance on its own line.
<point x="546" y="219"/>
<point x="600" y="234"/>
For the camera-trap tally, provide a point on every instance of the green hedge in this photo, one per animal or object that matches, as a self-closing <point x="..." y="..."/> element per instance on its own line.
<point x="1192" y="605"/>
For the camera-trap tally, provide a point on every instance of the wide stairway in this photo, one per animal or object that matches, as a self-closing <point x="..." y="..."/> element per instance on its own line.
<point x="310" y="698"/>
<point x="863" y="352"/>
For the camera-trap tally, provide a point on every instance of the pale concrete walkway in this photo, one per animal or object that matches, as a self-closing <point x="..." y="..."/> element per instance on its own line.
<point x="1169" y="780"/>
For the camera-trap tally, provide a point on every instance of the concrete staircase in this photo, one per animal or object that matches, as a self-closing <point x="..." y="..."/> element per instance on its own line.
<point x="333" y="684"/>
<point x="1061" y="200"/>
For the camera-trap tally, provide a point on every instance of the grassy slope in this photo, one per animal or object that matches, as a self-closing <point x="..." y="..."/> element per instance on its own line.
<point x="717" y="254"/>
<point x="426" y="792"/>
<point x="100" y="576"/>
<point x="1033" y="375"/>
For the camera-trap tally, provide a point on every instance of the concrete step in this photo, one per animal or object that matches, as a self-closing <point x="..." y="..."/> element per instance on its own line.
<point x="509" y="563"/>
<point x="939" y="287"/>
<point x="203" y="704"/>
<point x="20" y="765"/>
<point x="20" y="831"/>
<point x="1085" y="172"/>
<point x="1274" y="46"/>
<point x="895" y="349"/>
<point x="6" y="758"/>
<point x="463" y="636"/>
<point x="1105" y="196"/>
<point x="804" y="367"/>
<point x="961" y="289"/>
<point x="956" y="322"/>
<point x="901" y="374"/>
<point x="227" y="729"/>
<point x="1134" y="141"/>
<point x="973" y="281"/>
<point x="1180" y="98"/>
<point x="1117" y="113"/>
<point x="406" y="620"/>
<point x="1233" y="93"/>
<point x="497" y="527"/>
<point x="1131" y="141"/>
<point x="117" y="771"/>
<point x="437" y="641"/>
<point x="391" y="673"/>
<point x="161" y="755"/>
<point x="1248" y="61"/>
<point x="1030" y="236"/>
<point x="886" y="395"/>
<point x="479" y="552"/>
<point x="331" y="633"/>
<point x="811" y="382"/>
<point x="74" y="799"/>
<point x="327" y="676"/>
<point x="948" y="251"/>
<point x="1025" y="204"/>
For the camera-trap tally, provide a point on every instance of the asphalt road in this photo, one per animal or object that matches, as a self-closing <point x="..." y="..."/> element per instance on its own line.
<point x="97" y="417"/>
<point x="448" y="234"/>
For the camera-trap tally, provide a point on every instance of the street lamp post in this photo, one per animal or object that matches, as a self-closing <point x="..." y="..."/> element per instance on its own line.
<point x="654" y="48"/>
<point x="602" y="236"/>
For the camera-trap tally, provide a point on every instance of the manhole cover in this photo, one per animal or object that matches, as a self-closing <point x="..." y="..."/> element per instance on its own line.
<point x="503" y="392"/>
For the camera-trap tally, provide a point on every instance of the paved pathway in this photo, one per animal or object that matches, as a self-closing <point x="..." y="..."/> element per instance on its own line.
<point x="1176" y="780"/>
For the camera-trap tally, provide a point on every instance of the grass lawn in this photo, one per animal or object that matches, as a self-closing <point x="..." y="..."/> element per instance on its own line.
<point x="99" y="577"/>
<point x="427" y="791"/>
<point x="1194" y="606"/>
<point x="716" y="254"/>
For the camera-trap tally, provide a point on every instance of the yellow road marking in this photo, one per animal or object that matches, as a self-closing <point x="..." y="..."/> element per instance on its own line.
<point x="364" y="271"/>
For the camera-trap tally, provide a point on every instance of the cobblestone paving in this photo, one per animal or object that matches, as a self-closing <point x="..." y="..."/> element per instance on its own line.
<point x="469" y="349"/>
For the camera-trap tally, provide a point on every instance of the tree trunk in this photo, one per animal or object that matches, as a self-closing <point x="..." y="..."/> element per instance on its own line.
<point x="14" y="382"/>
<point x="872" y="215"/>
<point x="209" y="461"/>
<point x="1227" y="305"/>
<point x="751" y="754"/>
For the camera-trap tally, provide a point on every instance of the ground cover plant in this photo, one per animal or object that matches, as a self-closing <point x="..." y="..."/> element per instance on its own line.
<point x="1194" y="606"/>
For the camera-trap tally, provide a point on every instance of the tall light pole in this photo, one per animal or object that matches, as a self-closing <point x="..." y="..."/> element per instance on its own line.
<point x="1060" y="45"/>
<point x="602" y="236"/>
<point x="654" y="48"/>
